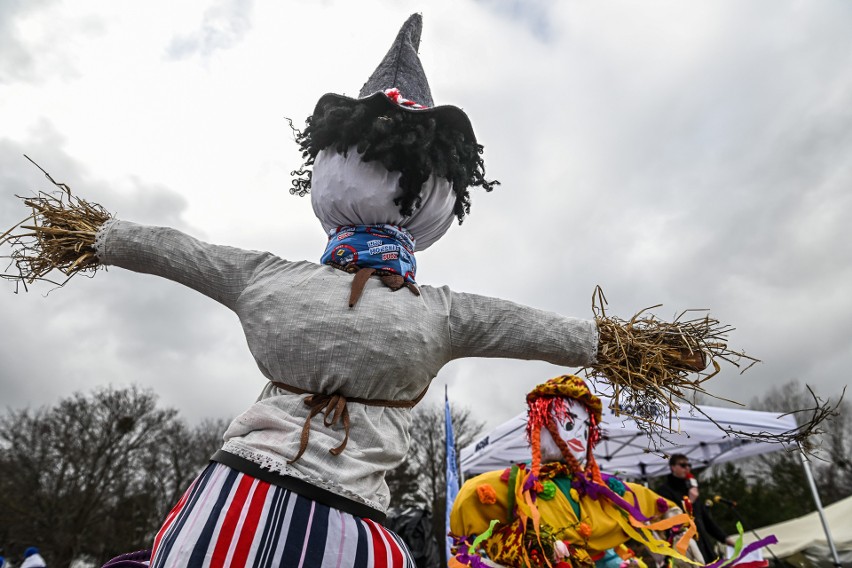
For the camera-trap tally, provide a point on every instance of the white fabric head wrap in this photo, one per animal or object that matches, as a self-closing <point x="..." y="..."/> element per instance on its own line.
<point x="347" y="191"/>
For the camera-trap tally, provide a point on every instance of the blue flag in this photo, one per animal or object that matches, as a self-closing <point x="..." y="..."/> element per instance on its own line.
<point x="452" y="468"/>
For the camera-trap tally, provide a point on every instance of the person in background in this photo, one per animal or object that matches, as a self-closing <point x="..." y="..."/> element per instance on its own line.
<point x="676" y="486"/>
<point x="681" y="484"/>
<point x="708" y="531"/>
<point x="32" y="559"/>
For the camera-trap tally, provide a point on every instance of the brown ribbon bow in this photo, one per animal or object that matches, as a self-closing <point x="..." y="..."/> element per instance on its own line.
<point x="392" y="281"/>
<point x="333" y="406"/>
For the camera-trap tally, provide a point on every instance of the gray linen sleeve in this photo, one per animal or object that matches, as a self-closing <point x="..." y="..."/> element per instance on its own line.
<point x="490" y="327"/>
<point x="219" y="272"/>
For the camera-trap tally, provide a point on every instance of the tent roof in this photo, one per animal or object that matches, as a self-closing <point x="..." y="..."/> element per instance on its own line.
<point x="624" y="448"/>
<point x="806" y="532"/>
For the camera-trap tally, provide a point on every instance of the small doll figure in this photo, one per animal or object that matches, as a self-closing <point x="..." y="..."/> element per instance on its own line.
<point x="560" y="510"/>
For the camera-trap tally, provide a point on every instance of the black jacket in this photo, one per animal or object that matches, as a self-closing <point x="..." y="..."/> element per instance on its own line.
<point x="708" y="531"/>
<point x="675" y="489"/>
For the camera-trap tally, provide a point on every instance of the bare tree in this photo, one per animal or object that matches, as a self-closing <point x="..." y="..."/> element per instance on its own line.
<point x="834" y="475"/>
<point x="829" y="450"/>
<point x="427" y="457"/>
<point x="404" y="484"/>
<point x="772" y="488"/>
<point x="181" y="454"/>
<point x="94" y="475"/>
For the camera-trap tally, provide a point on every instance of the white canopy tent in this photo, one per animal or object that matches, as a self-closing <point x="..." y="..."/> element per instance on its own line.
<point x="624" y="448"/>
<point x="805" y="536"/>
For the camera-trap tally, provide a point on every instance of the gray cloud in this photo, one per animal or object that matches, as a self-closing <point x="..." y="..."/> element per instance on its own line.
<point x="223" y="25"/>
<point x="28" y="41"/>
<point x="16" y="62"/>
<point x="710" y="175"/>
<point x="116" y="327"/>
<point x="536" y="16"/>
<point x="701" y="162"/>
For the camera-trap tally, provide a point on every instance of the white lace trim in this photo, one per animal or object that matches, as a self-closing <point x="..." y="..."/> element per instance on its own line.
<point x="100" y="239"/>
<point x="275" y="465"/>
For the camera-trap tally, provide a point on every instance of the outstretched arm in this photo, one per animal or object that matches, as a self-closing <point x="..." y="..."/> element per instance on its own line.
<point x="219" y="272"/>
<point x="67" y="234"/>
<point x="490" y="327"/>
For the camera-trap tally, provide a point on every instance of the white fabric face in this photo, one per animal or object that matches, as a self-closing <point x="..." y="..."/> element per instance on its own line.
<point x="574" y="429"/>
<point x="347" y="191"/>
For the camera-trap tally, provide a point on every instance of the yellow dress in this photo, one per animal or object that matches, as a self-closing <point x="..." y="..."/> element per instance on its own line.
<point x="538" y="523"/>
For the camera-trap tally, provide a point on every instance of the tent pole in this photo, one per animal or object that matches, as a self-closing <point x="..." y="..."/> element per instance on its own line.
<point x="810" y="477"/>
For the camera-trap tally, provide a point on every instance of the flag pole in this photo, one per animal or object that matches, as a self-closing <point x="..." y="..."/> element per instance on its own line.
<point x="452" y="485"/>
<point x="810" y="477"/>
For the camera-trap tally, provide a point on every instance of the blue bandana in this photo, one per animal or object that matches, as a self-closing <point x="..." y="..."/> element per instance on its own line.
<point x="387" y="248"/>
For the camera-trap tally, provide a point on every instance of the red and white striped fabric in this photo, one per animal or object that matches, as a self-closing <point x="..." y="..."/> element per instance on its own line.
<point x="227" y="518"/>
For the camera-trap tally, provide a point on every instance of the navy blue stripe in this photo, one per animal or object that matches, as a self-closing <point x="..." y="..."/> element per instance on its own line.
<point x="168" y="540"/>
<point x="297" y="528"/>
<point x="203" y="543"/>
<point x="362" y="552"/>
<point x="319" y="534"/>
<point x="195" y="492"/>
<point x="279" y="526"/>
<point x="263" y="549"/>
<point x="406" y="554"/>
<point x="273" y="523"/>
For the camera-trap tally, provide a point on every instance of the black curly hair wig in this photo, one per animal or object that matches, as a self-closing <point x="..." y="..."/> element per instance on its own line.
<point x="417" y="144"/>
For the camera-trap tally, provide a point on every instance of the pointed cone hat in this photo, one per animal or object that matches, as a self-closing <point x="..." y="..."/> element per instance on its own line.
<point x="399" y="82"/>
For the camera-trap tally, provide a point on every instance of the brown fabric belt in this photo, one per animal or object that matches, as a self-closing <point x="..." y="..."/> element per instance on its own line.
<point x="333" y="406"/>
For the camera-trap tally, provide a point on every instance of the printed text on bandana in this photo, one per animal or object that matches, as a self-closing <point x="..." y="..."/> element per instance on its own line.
<point x="387" y="248"/>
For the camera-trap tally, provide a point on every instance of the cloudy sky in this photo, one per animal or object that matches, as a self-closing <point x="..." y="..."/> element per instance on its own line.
<point x="695" y="154"/>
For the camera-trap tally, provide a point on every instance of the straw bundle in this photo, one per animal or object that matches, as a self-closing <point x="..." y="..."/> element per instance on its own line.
<point x="59" y="234"/>
<point x="654" y="365"/>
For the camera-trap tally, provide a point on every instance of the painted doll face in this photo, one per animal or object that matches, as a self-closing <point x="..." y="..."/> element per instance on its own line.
<point x="573" y="428"/>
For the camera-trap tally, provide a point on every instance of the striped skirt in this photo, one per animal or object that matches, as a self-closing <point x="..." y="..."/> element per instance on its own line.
<point x="227" y="518"/>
